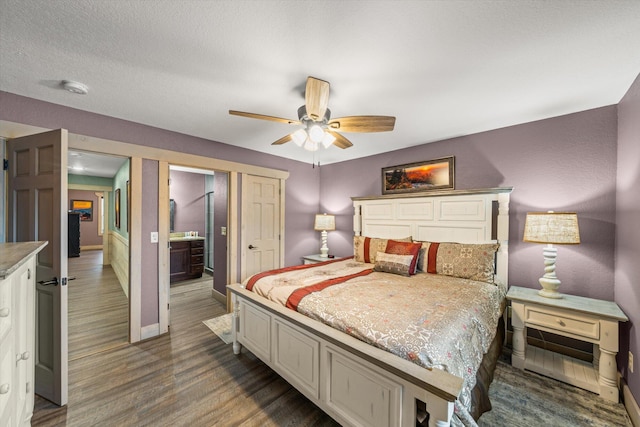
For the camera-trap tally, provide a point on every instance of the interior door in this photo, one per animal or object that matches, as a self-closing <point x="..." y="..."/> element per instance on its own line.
<point x="37" y="210"/>
<point x="260" y="224"/>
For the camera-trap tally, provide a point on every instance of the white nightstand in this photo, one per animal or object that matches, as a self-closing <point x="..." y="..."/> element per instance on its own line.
<point x="583" y="319"/>
<point x="314" y="259"/>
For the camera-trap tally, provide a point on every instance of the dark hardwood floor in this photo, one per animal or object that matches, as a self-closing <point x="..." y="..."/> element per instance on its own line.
<point x="188" y="377"/>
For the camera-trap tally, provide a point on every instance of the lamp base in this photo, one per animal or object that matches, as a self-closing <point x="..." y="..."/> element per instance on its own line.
<point x="324" y="250"/>
<point x="550" y="282"/>
<point x="550" y="285"/>
<point x="550" y="294"/>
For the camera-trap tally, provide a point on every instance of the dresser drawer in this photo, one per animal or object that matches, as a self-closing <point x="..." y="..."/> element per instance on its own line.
<point x="583" y="326"/>
<point x="197" y="269"/>
<point x="197" y="244"/>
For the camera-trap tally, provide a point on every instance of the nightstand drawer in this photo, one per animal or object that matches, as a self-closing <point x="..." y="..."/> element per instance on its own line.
<point x="583" y="326"/>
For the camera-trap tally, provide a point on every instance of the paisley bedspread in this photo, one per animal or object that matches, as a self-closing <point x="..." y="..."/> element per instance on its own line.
<point x="435" y="321"/>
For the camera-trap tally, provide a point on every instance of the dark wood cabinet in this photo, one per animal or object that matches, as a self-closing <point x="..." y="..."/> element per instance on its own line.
<point x="186" y="260"/>
<point x="73" y="230"/>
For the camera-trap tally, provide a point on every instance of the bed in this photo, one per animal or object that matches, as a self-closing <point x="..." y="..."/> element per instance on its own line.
<point x="406" y="332"/>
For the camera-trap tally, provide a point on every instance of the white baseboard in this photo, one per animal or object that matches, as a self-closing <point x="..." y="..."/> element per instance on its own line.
<point x="149" y="331"/>
<point x="218" y="296"/>
<point x="631" y="405"/>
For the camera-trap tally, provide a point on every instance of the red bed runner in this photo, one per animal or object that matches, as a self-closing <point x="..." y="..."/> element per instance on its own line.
<point x="252" y="281"/>
<point x="297" y="295"/>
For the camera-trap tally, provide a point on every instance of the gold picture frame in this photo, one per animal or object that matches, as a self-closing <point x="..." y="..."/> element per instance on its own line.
<point x="430" y="175"/>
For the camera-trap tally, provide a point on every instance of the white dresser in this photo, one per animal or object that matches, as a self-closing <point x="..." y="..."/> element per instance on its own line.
<point x="17" y="331"/>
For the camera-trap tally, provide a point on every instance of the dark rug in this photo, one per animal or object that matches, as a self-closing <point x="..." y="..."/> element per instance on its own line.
<point x="524" y="399"/>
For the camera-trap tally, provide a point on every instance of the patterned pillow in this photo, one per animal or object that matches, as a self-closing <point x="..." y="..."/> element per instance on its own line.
<point x="393" y="263"/>
<point x="365" y="249"/>
<point x="405" y="248"/>
<point x="464" y="260"/>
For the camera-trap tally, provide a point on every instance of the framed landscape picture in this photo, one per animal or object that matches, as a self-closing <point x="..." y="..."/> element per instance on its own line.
<point x="117" y="203"/>
<point x="437" y="174"/>
<point x="84" y="208"/>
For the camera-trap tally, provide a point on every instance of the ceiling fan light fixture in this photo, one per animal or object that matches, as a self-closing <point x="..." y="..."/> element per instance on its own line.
<point x="328" y="139"/>
<point x="316" y="133"/>
<point x="311" y="145"/>
<point x="299" y="137"/>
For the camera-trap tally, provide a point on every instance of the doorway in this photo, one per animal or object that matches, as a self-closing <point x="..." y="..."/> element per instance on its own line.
<point x="198" y="210"/>
<point x="101" y="266"/>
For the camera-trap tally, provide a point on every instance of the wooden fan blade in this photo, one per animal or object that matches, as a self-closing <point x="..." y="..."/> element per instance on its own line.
<point x="316" y="97"/>
<point x="363" y="123"/>
<point x="282" y="140"/>
<point x="340" y="141"/>
<point x="263" y="117"/>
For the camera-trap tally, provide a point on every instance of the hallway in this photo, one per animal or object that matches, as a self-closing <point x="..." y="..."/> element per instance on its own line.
<point x="98" y="307"/>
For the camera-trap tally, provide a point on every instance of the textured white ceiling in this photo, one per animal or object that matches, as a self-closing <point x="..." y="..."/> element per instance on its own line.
<point x="443" y="68"/>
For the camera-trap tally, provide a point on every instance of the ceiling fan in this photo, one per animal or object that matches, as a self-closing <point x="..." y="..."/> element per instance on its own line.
<point x="318" y="126"/>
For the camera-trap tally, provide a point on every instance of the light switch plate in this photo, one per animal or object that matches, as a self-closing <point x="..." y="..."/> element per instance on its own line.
<point x="223" y="231"/>
<point x="154" y="237"/>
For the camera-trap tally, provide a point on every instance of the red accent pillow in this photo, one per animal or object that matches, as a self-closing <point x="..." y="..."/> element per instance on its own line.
<point x="432" y="257"/>
<point x="405" y="248"/>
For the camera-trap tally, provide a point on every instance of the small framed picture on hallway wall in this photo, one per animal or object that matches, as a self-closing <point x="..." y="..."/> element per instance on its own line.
<point x="117" y="204"/>
<point x="84" y="208"/>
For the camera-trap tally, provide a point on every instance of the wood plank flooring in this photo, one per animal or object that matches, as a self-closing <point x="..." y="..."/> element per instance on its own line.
<point x="98" y="308"/>
<point x="187" y="377"/>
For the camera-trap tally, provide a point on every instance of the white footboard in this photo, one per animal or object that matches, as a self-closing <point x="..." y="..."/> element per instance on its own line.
<point x="355" y="383"/>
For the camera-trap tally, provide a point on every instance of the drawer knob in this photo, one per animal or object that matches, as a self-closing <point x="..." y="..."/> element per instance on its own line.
<point x="560" y="322"/>
<point x="4" y="312"/>
<point x="4" y="388"/>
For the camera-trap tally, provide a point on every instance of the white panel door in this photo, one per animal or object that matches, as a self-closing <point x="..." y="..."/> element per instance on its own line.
<point x="260" y="224"/>
<point x="37" y="210"/>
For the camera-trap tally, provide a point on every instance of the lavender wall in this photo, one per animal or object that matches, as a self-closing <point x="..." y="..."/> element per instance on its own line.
<point x="564" y="163"/>
<point x="88" y="229"/>
<point x="627" y="288"/>
<point x="220" y="214"/>
<point x="149" y="257"/>
<point x="187" y="190"/>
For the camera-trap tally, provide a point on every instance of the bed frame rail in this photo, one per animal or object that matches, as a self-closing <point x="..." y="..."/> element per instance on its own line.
<point x="355" y="383"/>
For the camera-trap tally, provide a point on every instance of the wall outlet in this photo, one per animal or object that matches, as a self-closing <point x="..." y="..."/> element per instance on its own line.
<point x="630" y="362"/>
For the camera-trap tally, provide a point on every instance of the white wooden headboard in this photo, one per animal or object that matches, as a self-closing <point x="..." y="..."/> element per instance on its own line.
<point x="464" y="216"/>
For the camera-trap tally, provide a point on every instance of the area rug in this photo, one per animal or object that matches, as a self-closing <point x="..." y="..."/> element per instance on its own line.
<point x="221" y="326"/>
<point x="526" y="399"/>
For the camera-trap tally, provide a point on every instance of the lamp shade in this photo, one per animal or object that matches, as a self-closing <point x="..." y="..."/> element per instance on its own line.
<point x="324" y="222"/>
<point x="559" y="228"/>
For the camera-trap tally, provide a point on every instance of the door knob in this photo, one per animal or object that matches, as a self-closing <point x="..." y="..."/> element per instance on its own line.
<point x="253" y="247"/>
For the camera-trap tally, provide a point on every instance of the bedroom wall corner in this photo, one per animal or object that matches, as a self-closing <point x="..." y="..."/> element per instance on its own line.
<point x="627" y="268"/>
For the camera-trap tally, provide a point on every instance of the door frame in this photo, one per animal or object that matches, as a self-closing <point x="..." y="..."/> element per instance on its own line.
<point x="137" y="153"/>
